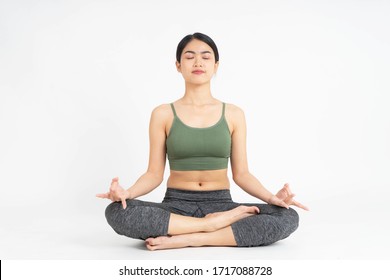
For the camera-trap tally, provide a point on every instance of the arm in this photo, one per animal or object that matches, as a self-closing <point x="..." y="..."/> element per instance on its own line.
<point x="154" y="175"/>
<point x="241" y="175"/>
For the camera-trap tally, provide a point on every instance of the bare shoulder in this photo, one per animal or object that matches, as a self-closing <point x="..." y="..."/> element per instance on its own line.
<point x="235" y="117"/>
<point x="162" y="112"/>
<point x="234" y="112"/>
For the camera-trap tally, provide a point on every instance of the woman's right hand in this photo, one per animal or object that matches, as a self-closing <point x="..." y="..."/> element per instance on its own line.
<point x="116" y="193"/>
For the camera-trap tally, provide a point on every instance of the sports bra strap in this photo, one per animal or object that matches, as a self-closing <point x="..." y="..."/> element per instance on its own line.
<point x="173" y="109"/>
<point x="223" y="109"/>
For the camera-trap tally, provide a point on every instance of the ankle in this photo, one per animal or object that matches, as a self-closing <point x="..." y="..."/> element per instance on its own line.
<point x="209" y="224"/>
<point x="195" y="239"/>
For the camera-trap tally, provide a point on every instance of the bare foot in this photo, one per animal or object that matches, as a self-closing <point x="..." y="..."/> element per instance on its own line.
<point x="220" y="220"/>
<point x="166" y="242"/>
<point x="222" y="237"/>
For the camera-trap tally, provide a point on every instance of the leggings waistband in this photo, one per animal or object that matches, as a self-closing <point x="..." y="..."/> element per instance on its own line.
<point x="197" y="196"/>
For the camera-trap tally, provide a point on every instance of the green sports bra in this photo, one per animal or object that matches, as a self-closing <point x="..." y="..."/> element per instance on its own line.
<point x="195" y="148"/>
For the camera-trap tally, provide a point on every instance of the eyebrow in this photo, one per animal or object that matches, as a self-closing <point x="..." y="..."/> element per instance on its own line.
<point x="200" y="52"/>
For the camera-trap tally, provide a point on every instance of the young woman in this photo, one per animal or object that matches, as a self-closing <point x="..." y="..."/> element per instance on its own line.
<point x="199" y="133"/>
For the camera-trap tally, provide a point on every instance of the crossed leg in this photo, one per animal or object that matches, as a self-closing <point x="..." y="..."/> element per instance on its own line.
<point x="221" y="237"/>
<point x="212" y="230"/>
<point x="167" y="225"/>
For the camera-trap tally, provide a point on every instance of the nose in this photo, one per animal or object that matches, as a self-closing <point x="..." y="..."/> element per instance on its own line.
<point x="198" y="62"/>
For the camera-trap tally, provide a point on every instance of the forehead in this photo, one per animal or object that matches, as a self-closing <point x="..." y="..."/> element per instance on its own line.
<point x="197" y="46"/>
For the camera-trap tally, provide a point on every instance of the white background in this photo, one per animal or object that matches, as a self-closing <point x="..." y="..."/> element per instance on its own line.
<point x="79" y="79"/>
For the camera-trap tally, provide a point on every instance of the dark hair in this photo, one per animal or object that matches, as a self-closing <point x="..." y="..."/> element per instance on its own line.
<point x="199" y="36"/>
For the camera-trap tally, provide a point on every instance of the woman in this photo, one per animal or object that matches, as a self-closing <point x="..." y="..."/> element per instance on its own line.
<point x="199" y="133"/>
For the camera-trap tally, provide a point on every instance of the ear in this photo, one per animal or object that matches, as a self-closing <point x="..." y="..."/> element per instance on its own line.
<point x="216" y="65"/>
<point x="178" y="66"/>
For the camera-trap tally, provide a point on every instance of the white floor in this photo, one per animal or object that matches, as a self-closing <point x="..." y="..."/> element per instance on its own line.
<point x="325" y="233"/>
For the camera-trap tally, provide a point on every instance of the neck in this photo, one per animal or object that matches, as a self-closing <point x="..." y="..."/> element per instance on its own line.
<point x="196" y="94"/>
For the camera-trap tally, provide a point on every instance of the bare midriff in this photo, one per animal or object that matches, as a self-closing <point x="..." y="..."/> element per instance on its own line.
<point x="202" y="180"/>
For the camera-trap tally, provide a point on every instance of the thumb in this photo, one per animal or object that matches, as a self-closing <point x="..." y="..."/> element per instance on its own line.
<point x="278" y="202"/>
<point x="281" y="203"/>
<point x="124" y="205"/>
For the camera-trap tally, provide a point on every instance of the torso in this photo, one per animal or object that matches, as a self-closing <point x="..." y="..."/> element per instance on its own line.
<point x="199" y="180"/>
<point x="203" y="180"/>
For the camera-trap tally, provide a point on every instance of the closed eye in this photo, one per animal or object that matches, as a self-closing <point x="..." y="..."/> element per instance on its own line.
<point x="202" y="57"/>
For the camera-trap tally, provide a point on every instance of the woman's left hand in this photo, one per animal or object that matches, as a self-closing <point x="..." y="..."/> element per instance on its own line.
<point x="284" y="198"/>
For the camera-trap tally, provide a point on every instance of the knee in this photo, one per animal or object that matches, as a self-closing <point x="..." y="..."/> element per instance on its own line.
<point x="116" y="215"/>
<point x="112" y="212"/>
<point x="283" y="226"/>
<point x="138" y="220"/>
<point x="292" y="220"/>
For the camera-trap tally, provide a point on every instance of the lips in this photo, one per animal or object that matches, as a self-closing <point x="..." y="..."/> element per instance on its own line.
<point x="198" y="72"/>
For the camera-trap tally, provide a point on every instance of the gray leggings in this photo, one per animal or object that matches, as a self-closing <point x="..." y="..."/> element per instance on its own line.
<point x="142" y="219"/>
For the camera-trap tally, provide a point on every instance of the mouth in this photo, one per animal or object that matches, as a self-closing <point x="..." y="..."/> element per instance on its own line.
<point x="198" y="72"/>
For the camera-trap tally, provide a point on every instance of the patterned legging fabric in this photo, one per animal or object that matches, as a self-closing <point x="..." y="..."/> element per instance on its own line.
<point x="142" y="219"/>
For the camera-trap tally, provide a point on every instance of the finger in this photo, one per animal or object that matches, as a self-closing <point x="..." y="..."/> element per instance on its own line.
<point x="281" y="203"/>
<point x="113" y="186"/>
<point x="282" y="193"/>
<point x="124" y="203"/>
<point x="114" y="182"/>
<point x="284" y="204"/>
<point x="287" y="188"/>
<point x="289" y="199"/>
<point x="103" y="195"/>
<point x="300" y="205"/>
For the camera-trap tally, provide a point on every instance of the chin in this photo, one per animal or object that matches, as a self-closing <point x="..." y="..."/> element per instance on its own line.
<point x="198" y="81"/>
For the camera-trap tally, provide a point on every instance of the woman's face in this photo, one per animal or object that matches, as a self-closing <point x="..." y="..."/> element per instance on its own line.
<point x="197" y="62"/>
